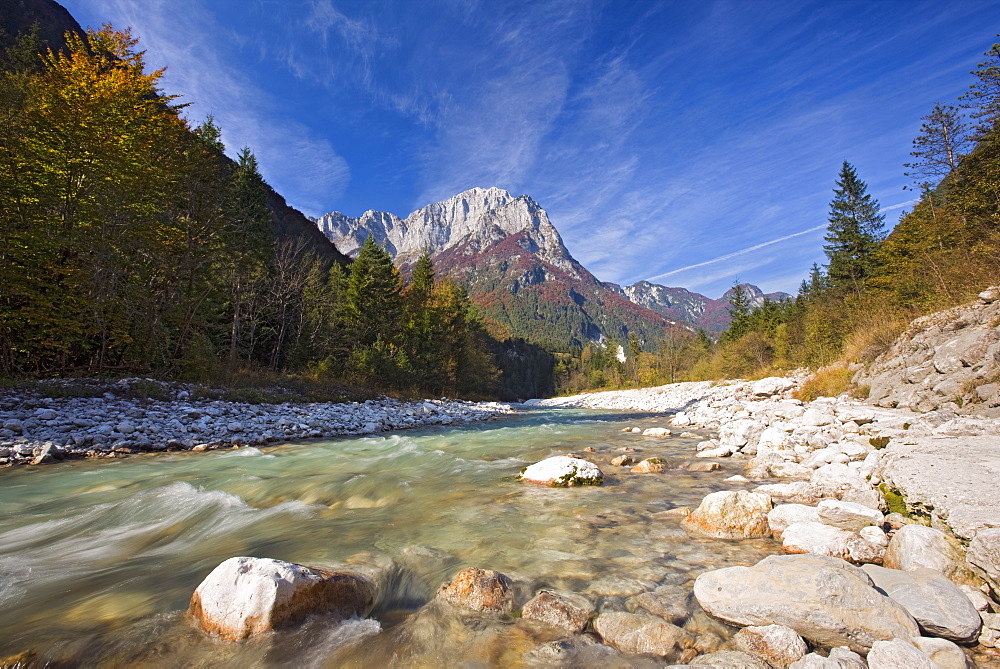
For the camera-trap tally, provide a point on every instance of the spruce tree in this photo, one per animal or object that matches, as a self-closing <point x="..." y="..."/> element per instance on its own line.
<point x="374" y="296"/>
<point x="739" y="312"/>
<point x="856" y="228"/>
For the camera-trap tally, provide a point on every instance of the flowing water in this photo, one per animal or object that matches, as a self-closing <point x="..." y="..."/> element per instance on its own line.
<point x="98" y="559"/>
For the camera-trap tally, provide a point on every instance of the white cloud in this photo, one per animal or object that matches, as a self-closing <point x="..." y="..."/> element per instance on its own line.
<point x="202" y="66"/>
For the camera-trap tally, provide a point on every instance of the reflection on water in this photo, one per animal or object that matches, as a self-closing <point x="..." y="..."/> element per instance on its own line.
<point x="98" y="559"/>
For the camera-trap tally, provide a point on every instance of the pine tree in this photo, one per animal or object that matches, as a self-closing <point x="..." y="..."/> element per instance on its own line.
<point x="856" y="228"/>
<point x="374" y="296"/>
<point x="983" y="97"/>
<point x="944" y="138"/>
<point x="739" y="312"/>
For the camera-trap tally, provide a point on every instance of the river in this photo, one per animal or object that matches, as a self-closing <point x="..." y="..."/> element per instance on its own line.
<point x="98" y="559"/>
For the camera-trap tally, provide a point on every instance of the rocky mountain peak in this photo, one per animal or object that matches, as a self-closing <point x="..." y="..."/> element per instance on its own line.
<point x="473" y="220"/>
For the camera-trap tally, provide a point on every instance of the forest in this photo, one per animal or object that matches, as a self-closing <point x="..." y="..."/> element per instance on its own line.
<point x="875" y="281"/>
<point x="133" y="245"/>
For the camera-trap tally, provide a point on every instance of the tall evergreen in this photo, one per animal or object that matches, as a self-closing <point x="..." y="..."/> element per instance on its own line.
<point x="739" y="311"/>
<point x="374" y="296"/>
<point x="856" y="228"/>
<point x="983" y="97"/>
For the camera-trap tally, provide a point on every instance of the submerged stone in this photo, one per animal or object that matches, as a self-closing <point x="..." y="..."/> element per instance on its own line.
<point x="479" y="590"/>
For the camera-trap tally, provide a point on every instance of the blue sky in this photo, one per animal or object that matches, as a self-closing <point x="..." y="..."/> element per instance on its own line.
<point x="690" y="143"/>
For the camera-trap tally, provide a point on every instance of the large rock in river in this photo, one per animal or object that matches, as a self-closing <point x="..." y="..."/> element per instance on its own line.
<point x="563" y="471"/>
<point x="479" y="590"/>
<point x="730" y="515"/>
<point x="640" y="633"/>
<point x="245" y="596"/>
<point x="917" y="546"/>
<point x="826" y="600"/>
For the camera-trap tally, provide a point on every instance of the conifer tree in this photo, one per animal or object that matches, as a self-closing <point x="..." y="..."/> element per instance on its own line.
<point x="983" y="97"/>
<point x="944" y="138"/>
<point x="374" y="296"/>
<point x="856" y="228"/>
<point x="739" y="311"/>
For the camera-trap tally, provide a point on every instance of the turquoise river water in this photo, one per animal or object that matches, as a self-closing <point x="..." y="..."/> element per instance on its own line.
<point x="98" y="559"/>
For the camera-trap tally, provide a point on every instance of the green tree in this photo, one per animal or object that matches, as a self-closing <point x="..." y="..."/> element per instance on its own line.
<point x="739" y="311"/>
<point x="855" y="229"/>
<point x="374" y="311"/>
<point x="983" y="96"/>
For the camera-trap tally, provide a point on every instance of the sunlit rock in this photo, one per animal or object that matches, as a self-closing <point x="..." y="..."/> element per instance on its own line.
<point x="563" y="471"/>
<point x="246" y="596"/>
<point x="479" y="590"/>
<point x="730" y="515"/>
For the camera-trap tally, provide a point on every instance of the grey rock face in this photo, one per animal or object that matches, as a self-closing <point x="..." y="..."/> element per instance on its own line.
<point x="824" y="599"/>
<point x="938" y="606"/>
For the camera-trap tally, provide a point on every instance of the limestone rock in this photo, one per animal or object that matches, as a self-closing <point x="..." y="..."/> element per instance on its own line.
<point x="777" y="645"/>
<point x="669" y="602"/>
<point x="660" y="432"/>
<point x="806" y="537"/>
<point x="944" y="653"/>
<point x="563" y="471"/>
<point x="836" y="479"/>
<point x="824" y="599"/>
<point x="772" y="385"/>
<point x="799" y="492"/>
<point x="649" y="466"/>
<point x="568" y="610"/>
<point x="622" y="461"/>
<point x="730" y="515"/>
<point x="246" y="596"/>
<point x="917" y="546"/>
<point x="639" y="633"/>
<point x="727" y="659"/>
<point x="896" y="653"/>
<point x="984" y="556"/>
<point x="938" y="606"/>
<point x="783" y="515"/>
<point x="479" y="590"/>
<point x="839" y="658"/>
<point x="847" y="515"/>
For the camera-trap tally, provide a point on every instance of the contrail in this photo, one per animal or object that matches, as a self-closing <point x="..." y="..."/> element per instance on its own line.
<point x="762" y="245"/>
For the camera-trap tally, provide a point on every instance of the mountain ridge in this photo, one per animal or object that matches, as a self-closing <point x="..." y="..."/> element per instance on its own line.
<point x="501" y="246"/>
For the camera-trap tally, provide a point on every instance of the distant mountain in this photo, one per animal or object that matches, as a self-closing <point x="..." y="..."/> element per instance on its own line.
<point x="514" y="263"/>
<point x="694" y="308"/>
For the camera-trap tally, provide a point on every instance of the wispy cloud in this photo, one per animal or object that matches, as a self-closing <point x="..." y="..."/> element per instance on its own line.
<point x="184" y="36"/>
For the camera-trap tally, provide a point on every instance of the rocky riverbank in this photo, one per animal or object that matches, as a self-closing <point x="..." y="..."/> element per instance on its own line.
<point x="819" y="477"/>
<point x="35" y="429"/>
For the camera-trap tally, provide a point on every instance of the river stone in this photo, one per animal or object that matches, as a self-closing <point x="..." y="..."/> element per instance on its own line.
<point x="649" y="466"/>
<point x="836" y="479"/>
<point x="840" y="658"/>
<point x="562" y="471"/>
<point x="938" y="606"/>
<point x="945" y="653"/>
<point x="783" y="515"/>
<point x="640" y="633"/>
<point x="771" y="385"/>
<point x="824" y="599"/>
<point x="917" y="546"/>
<point x="656" y="432"/>
<point x="246" y="596"/>
<point x="823" y="539"/>
<point x="799" y="492"/>
<point x="479" y="590"/>
<point x="984" y="556"/>
<point x="568" y="610"/>
<point x="622" y="461"/>
<point x="896" y="654"/>
<point x="847" y="515"/>
<point x="730" y="515"/>
<point x="727" y="659"/>
<point x="670" y="602"/>
<point x="777" y="645"/>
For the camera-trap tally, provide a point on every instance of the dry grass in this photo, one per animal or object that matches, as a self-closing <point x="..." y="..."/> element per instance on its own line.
<point x="874" y="335"/>
<point x="826" y="382"/>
